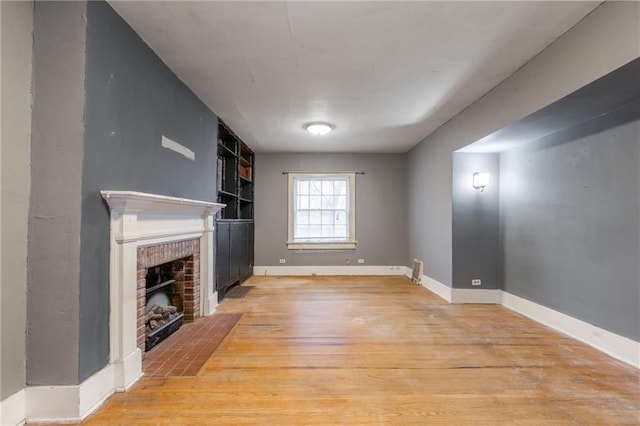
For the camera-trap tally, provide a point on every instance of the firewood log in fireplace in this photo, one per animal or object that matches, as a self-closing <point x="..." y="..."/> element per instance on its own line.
<point x="152" y="316"/>
<point x="158" y="316"/>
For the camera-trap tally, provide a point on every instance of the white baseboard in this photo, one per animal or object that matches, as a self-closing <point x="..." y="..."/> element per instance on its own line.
<point x="407" y="272"/>
<point x="211" y="304"/>
<point x="471" y="295"/>
<point x="619" y="347"/>
<point x="12" y="409"/>
<point x="95" y="390"/>
<point x="53" y="404"/>
<point x="127" y="371"/>
<point x="70" y="404"/>
<point x="442" y="290"/>
<point x="329" y="270"/>
<point x="437" y="287"/>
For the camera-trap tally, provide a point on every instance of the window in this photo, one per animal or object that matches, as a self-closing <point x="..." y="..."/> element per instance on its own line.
<point x="321" y="211"/>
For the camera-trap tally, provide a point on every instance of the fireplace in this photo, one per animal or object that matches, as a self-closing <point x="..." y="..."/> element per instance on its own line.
<point x="148" y="231"/>
<point x="168" y="289"/>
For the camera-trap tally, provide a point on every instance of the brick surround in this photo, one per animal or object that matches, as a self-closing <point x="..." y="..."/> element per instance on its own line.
<point x="163" y="253"/>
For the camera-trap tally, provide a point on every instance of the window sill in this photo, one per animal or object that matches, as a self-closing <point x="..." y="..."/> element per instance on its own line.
<point x="347" y="245"/>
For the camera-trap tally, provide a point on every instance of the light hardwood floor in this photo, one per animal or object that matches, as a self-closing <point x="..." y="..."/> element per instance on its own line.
<point x="383" y="351"/>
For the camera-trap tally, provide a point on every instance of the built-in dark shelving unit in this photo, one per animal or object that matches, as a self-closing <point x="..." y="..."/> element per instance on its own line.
<point x="235" y="227"/>
<point x="235" y="175"/>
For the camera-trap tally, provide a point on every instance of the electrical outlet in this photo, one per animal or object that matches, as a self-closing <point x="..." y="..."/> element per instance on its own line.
<point x="360" y="260"/>
<point x="476" y="282"/>
<point x="283" y="261"/>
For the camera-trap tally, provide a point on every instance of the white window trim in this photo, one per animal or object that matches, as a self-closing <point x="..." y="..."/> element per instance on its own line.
<point x="346" y="245"/>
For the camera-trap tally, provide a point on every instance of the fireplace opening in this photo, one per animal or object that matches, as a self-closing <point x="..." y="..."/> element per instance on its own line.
<point x="168" y="276"/>
<point x="164" y="302"/>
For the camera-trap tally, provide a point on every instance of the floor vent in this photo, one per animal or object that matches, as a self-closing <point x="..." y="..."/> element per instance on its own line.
<point x="418" y="269"/>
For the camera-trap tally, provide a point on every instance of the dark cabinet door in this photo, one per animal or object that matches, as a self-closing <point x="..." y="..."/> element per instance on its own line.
<point x="222" y="255"/>
<point x="247" y="258"/>
<point x="236" y="252"/>
<point x="244" y="251"/>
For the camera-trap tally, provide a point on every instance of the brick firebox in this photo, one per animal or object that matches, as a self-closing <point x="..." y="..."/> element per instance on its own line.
<point x="164" y="253"/>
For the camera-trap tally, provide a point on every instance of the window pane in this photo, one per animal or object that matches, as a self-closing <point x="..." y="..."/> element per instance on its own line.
<point x="302" y="218"/>
<point x="327" y="231"/>
<point x="327" y="187"/>
<point x="341" y="187"/>
<point x="341" y="217"/>
<point x="341" y="202"/>
<point x="327" y="218"/>
<point x="327" y="202"/>
<point x="302" y="231"/>
<point x="303" y="202"/>
<point x="315" y="187"/>
<point x="314" y="231"/>
<point x="340" y="231"/>
<point x="303" y="187"/>
<point x="314" y="217"/>
<point x="315" y="202"/>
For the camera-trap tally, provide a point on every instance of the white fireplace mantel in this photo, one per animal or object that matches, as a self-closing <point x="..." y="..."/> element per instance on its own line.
<point x="139" y="219"/>
<point x="141" y="202"/>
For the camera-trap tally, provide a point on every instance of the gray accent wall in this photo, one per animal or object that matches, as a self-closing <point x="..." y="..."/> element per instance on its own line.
<point x="381" y="196"/>
<point x="429" y="207"/>
<point x="133" y="99"/>
<point x="570" y="214"/>
<point x="16" y="28"/>
<point x="475" y="232"/>
<point x="56" y="182"/>
<point x="579" y="57"/>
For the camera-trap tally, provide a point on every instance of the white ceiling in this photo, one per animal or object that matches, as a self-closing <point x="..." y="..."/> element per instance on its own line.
<point x="386" y="74"/>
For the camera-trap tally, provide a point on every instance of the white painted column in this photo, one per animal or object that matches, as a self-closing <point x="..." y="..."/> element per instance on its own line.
<point x="126" y="357"/>
<point x="208" y="293"/>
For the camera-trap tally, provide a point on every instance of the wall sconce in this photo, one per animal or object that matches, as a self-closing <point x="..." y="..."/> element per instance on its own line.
<point x="480" y="180"/>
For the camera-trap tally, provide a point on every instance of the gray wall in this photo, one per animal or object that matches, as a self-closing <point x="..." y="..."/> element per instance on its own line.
<point x="133" y="99"/>
<point x="381" y="222"/>
<point x="580" y="56"/>
<point x="16" y="27"/>
<point x="570" y="213"/>
<point x="56" y="177"/>
<point x="475" y="219"/>
<point x="429" y="175"/>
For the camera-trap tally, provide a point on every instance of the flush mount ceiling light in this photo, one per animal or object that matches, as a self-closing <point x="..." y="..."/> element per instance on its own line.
<point x="318" y="129"/>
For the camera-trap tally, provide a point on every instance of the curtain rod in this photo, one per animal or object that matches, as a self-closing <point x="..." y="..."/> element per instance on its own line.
<point x="286" y="172"/>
